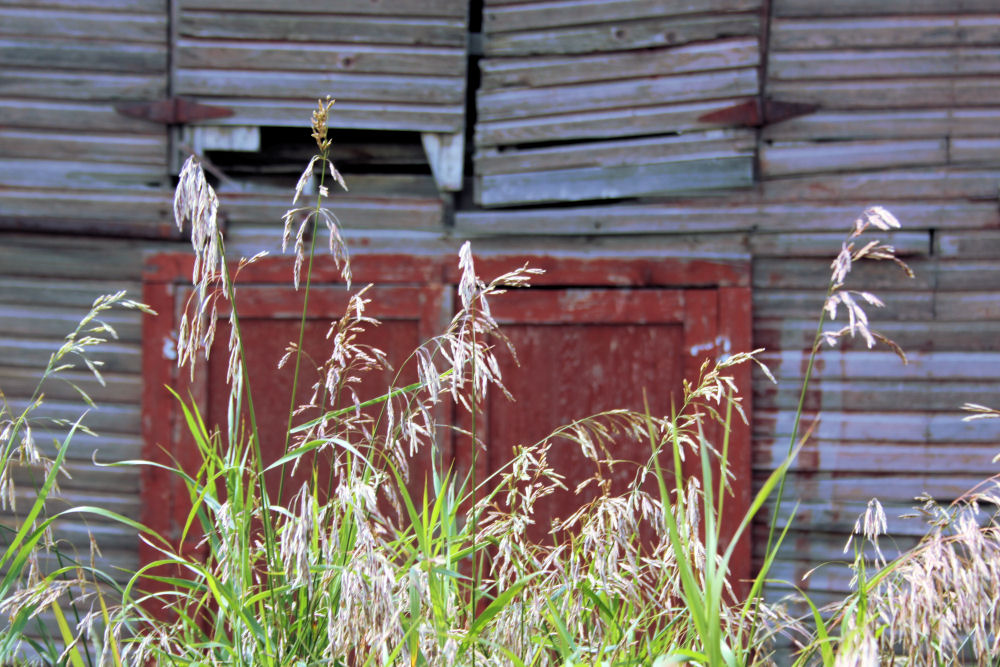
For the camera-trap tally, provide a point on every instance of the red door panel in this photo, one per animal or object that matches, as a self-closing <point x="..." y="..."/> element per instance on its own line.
<point x="592" y="337"/>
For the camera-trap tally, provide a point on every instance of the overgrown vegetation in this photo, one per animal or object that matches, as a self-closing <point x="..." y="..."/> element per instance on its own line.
<point x="362" y="565"/>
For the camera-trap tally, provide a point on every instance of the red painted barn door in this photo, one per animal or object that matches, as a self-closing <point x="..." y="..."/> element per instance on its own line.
<point x="269" y="310"/>
<point x="591" y="336"/>
<point x="596" y="335"/>
<point x="583" y="351"/>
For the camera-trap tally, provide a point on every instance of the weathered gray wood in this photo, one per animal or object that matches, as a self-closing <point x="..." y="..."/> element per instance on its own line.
<point x="561" y="70"/>
<point x="617" y="153"/>
<point x="74" y="257"/>
<point x="905" y="185"/>
<point x="84" y="475"/>
<point x="620" y="35"/>
<point x="711" y="215"/>
<point x="981" y="244"/>
<point x="285" y="27"/>
<point x="807" y="303"/>
<point x="118" y="388"/>
<point x="913" y="215"/>
<point x="345" y="114"/>
<point x="787" y="159"/>
<point x="889" y="93"/>
<point x="815" y="546"/>
<point x="968" y="306"/>
<point x="898" y="488"/>
<point x="82" y="23"/>
<point x="784" y="271"/>
<point x="614" y="219"/>
<point x="899" y="427"/>
<point x="840" y="516"/>
<point x="126" y="504"/>
<point x="636" y="180"/>
<point x="813" y="8"/>
<point x="883" y="63"/>
<point x="824" y="245"/>
<point x="53" y="292"/>
<point x="886" y="124"/>
<point x="353" y="213"/>
<point x="141" y="206"/>
<point x="861" y="457"/>
<point x="107" y="535"/>
<point x="146" y="149"/>
<point x="132" y="6"/>
<point x="109" y="417"/>
<point x="791" y="332"/>
<point x="603" y="124"/>
<point x="883" y="364"/>
<point x="59" y="174"/>
<point x="65" y="86"/>
<point x="452" y="8"/>
<point x="872" y="396"/>
<point x="529" y="16"/>
<point x="885" y="32"/>
<point x="49" y="321"/>
<point x="32" y="114"/>
<point x="420" y="60"/>
<point x="528" y="102"/>
<point x="365" y="87"/>
<point x="978" y="150"/>
<point x="965" y="274"/>
<point x="84" y="55"/>
<point x="446" y="155"/>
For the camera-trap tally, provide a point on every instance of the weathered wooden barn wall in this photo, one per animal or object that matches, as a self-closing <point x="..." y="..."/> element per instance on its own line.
<point x="607" y="128"/>
<point x="887" y="102"/>
<point x="907" y="116"/>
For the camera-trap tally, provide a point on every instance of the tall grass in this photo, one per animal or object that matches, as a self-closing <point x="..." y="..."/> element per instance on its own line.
<point x="363" y="565"/>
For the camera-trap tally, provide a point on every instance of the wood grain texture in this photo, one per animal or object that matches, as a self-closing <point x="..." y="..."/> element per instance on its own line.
<point x="331" y="28"/>
<point x="601" y="124"/>
<point x="362" y="87"/>
<point x="530" y="102"/>
<point x="71" y="86"/>
<point x="884" y="32"/>
<point x="621" y="35"/>
<point x="793" y="158"/>
<point x="889" y="93"/>
<point x="606" y="182"/>
<point x="348" y="114"/>
<point x="148" y="149"/>
<point x="690" y="145"/>
<point x="88" y="23"/>
<point x="452" y="8"/>
<point x="28" y="114"/>
<point x="895" y="63"/>
<point x="348" y="58"/>
<point x="537" y="72"/>
<point x="85" y="55"/>
<point x="880" y="124"/>
<point x="816" y="8"/>
<point x="535" y="15"/>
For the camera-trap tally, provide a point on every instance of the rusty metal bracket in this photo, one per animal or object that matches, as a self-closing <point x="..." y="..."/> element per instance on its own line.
<point x="172" y="111"/>
<point x="750" y="114"/>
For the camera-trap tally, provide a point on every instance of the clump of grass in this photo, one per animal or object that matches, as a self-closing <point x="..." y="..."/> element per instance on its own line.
<point x="362" y="565"/>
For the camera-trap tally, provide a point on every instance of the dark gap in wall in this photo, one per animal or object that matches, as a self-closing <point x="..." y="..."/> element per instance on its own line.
<point x="463" y="200"/>
<point x="375" y="162"/>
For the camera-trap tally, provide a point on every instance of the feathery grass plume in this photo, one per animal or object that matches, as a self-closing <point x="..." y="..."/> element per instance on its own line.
<point x="881" y="219"/>
<point x="303" y="216"/>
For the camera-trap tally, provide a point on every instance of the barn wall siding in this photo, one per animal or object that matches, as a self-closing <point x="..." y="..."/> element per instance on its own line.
<point x="603" y="129"/>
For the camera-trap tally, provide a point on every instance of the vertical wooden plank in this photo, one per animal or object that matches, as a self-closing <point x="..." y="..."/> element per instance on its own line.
<point x="736" y="332"/>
